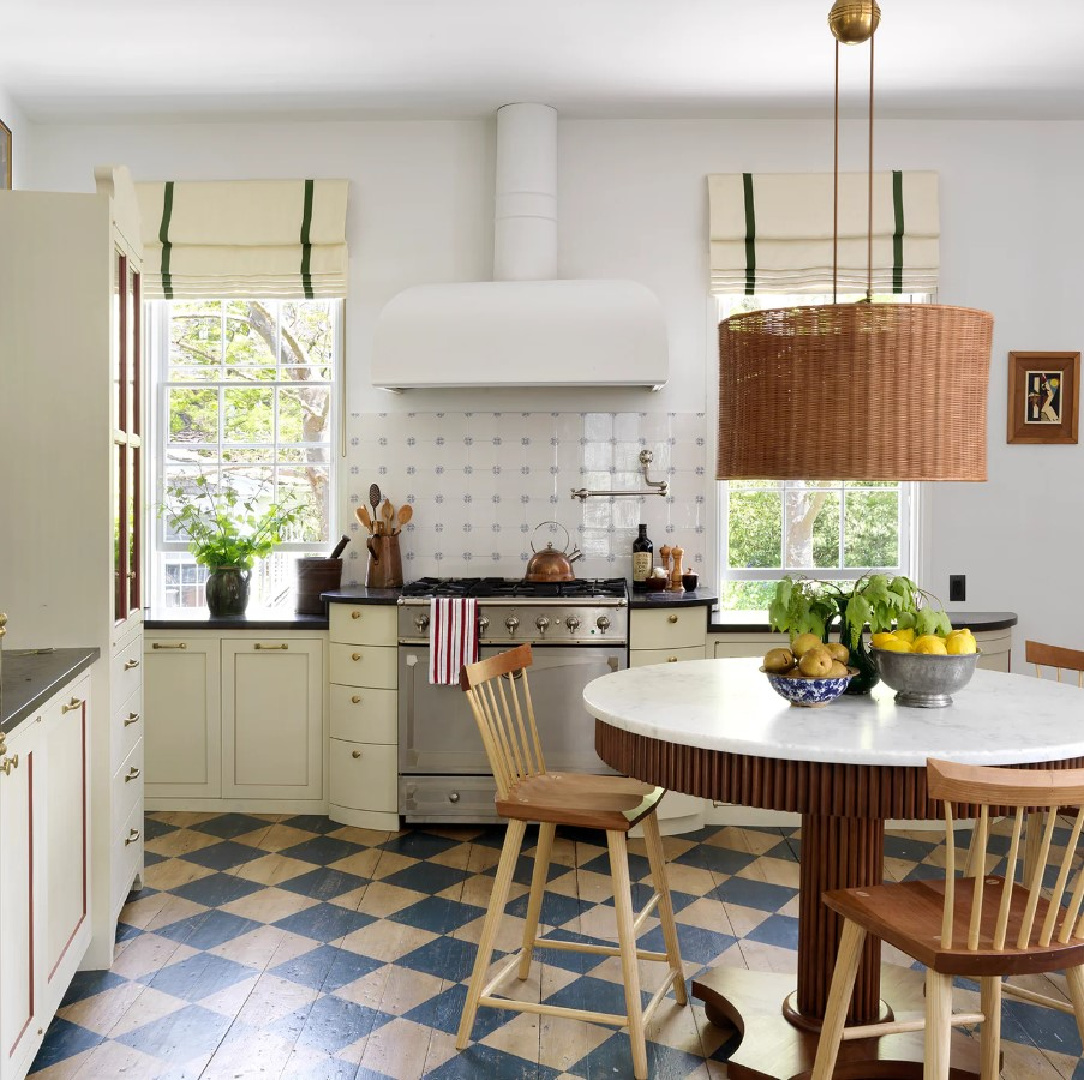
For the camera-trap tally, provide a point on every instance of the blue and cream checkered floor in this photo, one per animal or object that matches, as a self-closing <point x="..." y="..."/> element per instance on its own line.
<point x="290" y="948"/>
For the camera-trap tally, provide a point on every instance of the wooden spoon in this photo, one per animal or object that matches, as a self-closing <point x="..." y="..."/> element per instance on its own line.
<point x="374" y="502"/>
<point x="387" y="512"/>
<point x="406" y="512"/>
<point x="363" y="517"/>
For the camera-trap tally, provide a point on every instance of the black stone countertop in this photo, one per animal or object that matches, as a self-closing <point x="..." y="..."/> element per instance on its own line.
<point x="200" y="619"/>
<point x="359" y="594"/>
<point x="29" y="677"/>
<point x="665" y="599"/>
<point x="756" y="622"/>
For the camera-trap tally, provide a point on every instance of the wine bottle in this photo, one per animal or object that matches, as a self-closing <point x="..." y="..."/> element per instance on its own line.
<point x="642" y="550"/>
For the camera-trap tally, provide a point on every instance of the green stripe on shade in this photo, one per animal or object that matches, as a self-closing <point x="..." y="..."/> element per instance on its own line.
<point x="163" y="236"/>
<point x="897" y="235"/>
<point x="306" y="243"/>
<point x="750" y="236"/>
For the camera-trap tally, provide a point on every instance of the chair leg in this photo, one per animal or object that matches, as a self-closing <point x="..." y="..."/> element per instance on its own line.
<point x="938" y="1025"/>
<point x="990" y="1035"/>
<point x="626" y="941"/>
<point x="1074" y="976"/>
<point x="546" y="829"/>
<point x="657" y="860"/>
<point x="839" y="999"/>
<point x="513" y="841"/>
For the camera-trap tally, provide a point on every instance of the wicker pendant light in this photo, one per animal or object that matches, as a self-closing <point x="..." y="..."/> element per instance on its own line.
<point x="854" y="391"/>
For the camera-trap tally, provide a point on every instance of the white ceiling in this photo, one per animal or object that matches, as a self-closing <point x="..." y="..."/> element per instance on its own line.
<point x="108" y="59"/>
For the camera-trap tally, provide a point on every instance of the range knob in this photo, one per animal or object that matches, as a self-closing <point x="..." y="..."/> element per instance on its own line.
<point x="421" y="623"/>
<point x="483" y="625"/>
<point x="510" y="625"/>
<point x="573" y="623"/>
<point x="603" y="624"/>
<point x="543" y="624"/>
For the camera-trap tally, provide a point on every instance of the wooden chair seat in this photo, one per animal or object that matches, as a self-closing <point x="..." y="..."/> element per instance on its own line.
<point x="582" y="799"/>
<point x="909" y="915"/>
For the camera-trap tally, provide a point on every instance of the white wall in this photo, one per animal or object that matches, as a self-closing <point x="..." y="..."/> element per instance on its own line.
<point x="14" y="118"/>
<point x="632" y="202"/>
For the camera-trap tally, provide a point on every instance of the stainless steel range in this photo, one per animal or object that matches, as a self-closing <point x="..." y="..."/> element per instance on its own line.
<point x="578" y="630"/>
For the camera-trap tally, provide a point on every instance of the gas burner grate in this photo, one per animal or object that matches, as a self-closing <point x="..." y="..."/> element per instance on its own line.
<point x="512" y="588"/>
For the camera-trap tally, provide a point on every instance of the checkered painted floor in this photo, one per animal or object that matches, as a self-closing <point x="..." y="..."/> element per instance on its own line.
<point x="290" y="948"/>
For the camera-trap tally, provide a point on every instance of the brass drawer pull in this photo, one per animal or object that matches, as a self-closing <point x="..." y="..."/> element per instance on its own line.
<point x="169" y="645"/>
<point x="671" y="618"/>
<point x="671" y="659"/>
<point x="355" y="656"/>
<point x="9" y="763"/>
<point x="132" y="774"/>
<point x="131" y="718"/>
<point x="355" y="753"/>
<point x="355" y="614"/>
<point x="133" y="836"/>
<point x="72" y="705"/>
<point x="356" y="699"/>
<point x="260" y="645"/>
<point x="129" y="664"/>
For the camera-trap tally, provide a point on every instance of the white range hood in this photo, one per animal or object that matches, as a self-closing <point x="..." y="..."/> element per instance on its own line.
<point x="527" y="327"/>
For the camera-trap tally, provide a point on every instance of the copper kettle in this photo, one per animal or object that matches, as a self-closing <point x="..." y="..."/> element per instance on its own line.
<point x="549" y="564"/>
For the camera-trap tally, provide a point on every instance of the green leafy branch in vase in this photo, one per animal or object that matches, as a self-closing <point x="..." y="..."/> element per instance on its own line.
<point x="225" y="528"/>
<point x="804" y="605"/>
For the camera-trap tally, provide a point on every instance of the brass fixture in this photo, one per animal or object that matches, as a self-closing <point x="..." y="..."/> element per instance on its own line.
<point x="854" y="21"/>
<point x="72" y="705"/>
<point x="131" y="718"/>
<point x="8" y="764"/>
<point x="260" y="645"/>
<point x="170" y="645"/>
<point x="132" y="837"/>
<point x="130" y="664"/>
<point x="658" y="487"/>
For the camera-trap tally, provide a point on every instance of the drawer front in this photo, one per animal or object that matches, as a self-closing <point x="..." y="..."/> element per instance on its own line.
<point x="361" y="714"/>
<point x="363" y="624"/>
<point x="364" y="665"/>
<point x="127" y="671"/>
<point x="449" y="798"/>
<point x="127" y="729"/>
<point x="668" y="628"/>
<point x="363" y="777"/>
<point x="723" y="646"/>
<point x="128" y="785"/>
<point x="127" y="852"/>
<point x="644" y="657"/>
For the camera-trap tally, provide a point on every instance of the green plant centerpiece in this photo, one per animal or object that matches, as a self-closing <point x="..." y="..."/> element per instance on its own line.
<point x="808" y="605"/>
<point x="227" y="532"/>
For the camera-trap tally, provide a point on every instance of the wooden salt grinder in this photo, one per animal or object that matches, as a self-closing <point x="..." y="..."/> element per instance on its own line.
<point x="664" y="555"/>
<point x="675" y="574"/>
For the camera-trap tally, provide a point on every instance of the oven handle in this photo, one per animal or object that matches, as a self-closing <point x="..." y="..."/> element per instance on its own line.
<point x="407" y="736"/>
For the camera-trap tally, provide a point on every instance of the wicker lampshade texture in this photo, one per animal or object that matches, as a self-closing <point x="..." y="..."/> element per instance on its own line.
<point x="861" y="391"/>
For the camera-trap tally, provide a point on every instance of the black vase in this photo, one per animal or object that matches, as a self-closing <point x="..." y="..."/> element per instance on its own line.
<point x="227" y="590"/>
<point x="868" y="676"/>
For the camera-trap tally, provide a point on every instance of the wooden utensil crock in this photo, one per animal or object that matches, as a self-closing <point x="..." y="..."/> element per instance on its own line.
<point x="385" y="567"/>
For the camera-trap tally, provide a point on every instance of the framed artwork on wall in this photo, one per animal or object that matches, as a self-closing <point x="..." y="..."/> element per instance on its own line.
<point x="1044" y="390"/>
<point x="5" y="157"/>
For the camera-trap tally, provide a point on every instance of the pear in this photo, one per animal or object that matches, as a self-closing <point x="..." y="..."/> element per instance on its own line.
<point x="838" y="651"/>
<point x="838" y="670"/>
<point x="803" y="643"/>
<point x="778" y="661"/>
<point x="816" y="662"/>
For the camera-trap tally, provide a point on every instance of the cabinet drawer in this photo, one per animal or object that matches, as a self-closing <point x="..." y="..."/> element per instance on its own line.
<point x="127" y="729"/>
<point x="127" y="855"/>
<point x="450" y="798"/>
<point x="363" y="777"/>
<point x="644" y="657"/>
<point x="723" y="646"/>
<point x="364" y="715"/>
<point x="668" y="628"/>
<point x="364" y="665"/>
<point x="128" y="785"/>
<point x="363" y="624"/>
<point x="127" y="670"/>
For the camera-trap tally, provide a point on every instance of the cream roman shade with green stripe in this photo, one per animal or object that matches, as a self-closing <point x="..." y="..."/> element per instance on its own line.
<point x="772" y="232"/>
<point x="274" y="239"/>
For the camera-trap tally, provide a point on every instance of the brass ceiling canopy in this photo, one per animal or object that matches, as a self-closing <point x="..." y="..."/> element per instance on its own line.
<point x="868" y="391"/>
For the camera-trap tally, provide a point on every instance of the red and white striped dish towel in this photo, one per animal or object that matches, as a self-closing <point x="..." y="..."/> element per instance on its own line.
<point x="453" y="637"/>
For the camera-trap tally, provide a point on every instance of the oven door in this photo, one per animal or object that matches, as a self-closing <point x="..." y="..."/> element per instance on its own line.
<point x="438" y="733"/>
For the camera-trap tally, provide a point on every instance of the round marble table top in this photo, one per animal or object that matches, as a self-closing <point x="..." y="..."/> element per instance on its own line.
<point x="997" y="719"/>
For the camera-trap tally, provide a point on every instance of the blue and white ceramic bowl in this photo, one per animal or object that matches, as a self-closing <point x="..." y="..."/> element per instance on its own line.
<point x="809" y="693"/>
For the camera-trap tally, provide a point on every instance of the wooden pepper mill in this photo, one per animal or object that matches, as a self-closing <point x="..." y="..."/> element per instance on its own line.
<point x="664" y="556"/>
<point x="675" y="573"/>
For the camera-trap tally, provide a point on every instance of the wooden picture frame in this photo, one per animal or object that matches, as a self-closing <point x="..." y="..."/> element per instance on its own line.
<point x="5" y="157"/>
<point x="1044" y="393"/>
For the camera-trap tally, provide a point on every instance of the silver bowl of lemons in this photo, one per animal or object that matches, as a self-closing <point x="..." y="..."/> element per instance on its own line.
<point x="925" y="671"/>
<point x="809" y="674"/>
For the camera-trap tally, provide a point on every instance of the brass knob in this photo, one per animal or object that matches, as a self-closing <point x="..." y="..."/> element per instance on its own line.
<point x="671" y="659"/>
<point x="355" y="753"/>
<point x="356" y="699"/>
<point x="355" y="614"/>
<point x="671" y="618"/>
<point x="9" y="763"/>
<point x="454" y="797"/>
<point x="355" y="656"/>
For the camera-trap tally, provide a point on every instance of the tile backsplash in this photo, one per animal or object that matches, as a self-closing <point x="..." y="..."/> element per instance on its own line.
<point x="482" y="482"/>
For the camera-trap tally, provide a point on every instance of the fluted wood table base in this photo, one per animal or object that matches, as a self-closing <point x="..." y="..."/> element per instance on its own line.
<point x="774" y="1049"/>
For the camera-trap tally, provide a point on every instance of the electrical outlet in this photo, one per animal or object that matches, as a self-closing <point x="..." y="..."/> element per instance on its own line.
<point x="957" y="587"/>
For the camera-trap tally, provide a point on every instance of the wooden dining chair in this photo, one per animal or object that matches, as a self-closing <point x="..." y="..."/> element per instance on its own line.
<point x="980" y="927"/>
<point x="500" y="698"/>
<point x="1056" y="657"/>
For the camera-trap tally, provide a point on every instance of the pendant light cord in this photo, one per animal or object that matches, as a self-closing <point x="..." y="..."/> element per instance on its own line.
<point x="835" y="187"/>
<point x="869" y="196"/>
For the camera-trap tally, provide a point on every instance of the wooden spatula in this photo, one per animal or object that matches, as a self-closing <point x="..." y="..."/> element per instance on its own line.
<point x="363" y="516"/>
<point x="387" y="512"/>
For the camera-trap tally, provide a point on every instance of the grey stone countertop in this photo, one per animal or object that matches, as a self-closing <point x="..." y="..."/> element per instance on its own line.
<point x="29" y="677"/>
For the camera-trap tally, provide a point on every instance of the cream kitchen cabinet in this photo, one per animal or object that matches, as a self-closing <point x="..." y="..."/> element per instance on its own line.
<point x="236" y="721"/>
<point x="45" y="868"/>
<point x="363" y="750"/>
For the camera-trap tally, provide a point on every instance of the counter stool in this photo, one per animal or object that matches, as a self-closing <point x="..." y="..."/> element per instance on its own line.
<point x="980" y="927"/>
<point x="500" y="699"/>
<point x="1056" y="657"/>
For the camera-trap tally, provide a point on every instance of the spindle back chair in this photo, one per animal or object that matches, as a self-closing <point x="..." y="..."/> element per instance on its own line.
<point x="981" y="926"/>
<point x="1056" y="657"/>
<point x="499" y="695"/>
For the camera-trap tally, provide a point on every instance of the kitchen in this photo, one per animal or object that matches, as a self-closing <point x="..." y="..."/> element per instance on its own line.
<point x="631" y="206"/>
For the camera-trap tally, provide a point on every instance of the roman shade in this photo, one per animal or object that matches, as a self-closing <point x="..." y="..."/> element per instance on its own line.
<point x="275" y="239"/>
<point x="772" y="232"/>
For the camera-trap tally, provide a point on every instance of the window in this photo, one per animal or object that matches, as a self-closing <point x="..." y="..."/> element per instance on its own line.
<point x="829" y="529"/>
<point x="243" y="396"/>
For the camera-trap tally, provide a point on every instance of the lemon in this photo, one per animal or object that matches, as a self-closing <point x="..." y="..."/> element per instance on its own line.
<point x="895" y="644"/>
<point x="961" y="630"/>
<point x="880" y="639"/>
<point x="961" y="644"/>
<point x="907" y="635"/>
<point x="930" y="644"/>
